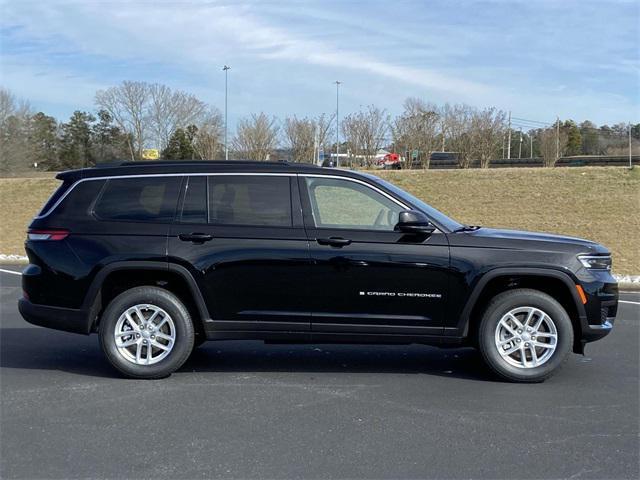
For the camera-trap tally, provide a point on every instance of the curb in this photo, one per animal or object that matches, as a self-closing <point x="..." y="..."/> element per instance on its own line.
<point x="13" y="259"/>
<point x="628" y="282"/>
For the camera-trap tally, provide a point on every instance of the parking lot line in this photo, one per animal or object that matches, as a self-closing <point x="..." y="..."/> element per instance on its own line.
<point x="10" y="271"/>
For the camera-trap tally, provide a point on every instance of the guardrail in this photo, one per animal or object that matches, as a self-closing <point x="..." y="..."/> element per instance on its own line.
<point x="580" y="161"/>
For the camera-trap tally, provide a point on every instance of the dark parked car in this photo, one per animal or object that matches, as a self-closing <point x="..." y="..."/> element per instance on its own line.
<point x="158" y="257"/>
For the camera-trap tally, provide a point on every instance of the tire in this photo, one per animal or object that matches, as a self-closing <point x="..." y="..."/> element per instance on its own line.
<point x="165" y="323"/>
<point x="498" y="330"/>
<point x="199" y="340"/>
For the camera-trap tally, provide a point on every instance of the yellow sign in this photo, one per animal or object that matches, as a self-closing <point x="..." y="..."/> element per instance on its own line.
<point x="150" y="154"/>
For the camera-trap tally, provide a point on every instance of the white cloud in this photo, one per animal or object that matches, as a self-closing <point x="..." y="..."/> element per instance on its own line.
<point x="196" y="35"/>
<point x="272" y="49"/>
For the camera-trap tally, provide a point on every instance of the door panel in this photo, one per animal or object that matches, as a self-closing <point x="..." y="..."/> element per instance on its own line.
<point x="252" y="276"/>
<point x="371" y="279"/>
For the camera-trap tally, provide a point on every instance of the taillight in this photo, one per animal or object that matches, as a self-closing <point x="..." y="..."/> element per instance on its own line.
<point x="57" y="234"/>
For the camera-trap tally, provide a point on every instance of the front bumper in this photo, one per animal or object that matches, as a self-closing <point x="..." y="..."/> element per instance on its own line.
<point x="601" y="290"/>
<point x="58" y="318"/>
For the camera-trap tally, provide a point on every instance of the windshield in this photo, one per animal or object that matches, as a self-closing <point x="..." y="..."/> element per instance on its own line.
<point x="437" y="216"/>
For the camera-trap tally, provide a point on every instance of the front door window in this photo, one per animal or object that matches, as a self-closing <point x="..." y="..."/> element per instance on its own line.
<point x="343" y="204"/>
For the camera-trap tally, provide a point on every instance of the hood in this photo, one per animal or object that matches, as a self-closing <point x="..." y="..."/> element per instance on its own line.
<point x="543" y="241"/>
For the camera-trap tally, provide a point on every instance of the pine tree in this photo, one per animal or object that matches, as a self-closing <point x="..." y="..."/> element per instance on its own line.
<point x="108" y="141"/>
<point x="41" y="141"/>
<point x="574" y="139"/>
<point x="180" y="146"/>
<point x="75" y="141"/>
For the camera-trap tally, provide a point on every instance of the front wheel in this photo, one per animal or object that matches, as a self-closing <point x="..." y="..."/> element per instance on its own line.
<point x="525" y="335"/>
<point x="146" y="332"/>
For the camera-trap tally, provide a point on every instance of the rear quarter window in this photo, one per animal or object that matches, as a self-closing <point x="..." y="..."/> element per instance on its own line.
<point x="57" y="195"/>
<point x="150" y="199"/>
<point x="78" y="202"/>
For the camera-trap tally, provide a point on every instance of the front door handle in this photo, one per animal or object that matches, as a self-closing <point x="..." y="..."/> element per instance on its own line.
<point x="334" y="241"/>
<point x="195" y="237"/>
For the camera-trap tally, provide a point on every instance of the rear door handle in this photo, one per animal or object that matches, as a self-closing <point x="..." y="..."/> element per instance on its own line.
<point x="195" y="237"/>
<point x="334" y="241"/>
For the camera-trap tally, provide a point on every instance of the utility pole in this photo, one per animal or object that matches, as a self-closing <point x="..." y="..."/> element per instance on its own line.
<point x="315" y="146"/>
<point x="557" y="138"/>
<point x="226" y="145"/>
<point x="520" y="147"/>
<point x="531" y="138"/>
<point x="509" y="139"/>
<point x="630" y="160"/>
<point x="337" y="82"/>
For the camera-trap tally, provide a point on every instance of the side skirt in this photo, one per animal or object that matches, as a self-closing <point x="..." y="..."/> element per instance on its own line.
<point x="319" y="337"/>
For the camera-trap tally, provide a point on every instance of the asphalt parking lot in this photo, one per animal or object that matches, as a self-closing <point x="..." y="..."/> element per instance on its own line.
<point x="247" y="410"/>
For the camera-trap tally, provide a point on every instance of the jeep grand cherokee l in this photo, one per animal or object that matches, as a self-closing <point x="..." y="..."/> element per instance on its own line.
<point x="158" y="257"/>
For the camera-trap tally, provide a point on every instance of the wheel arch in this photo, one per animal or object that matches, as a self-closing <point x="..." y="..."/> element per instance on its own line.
<point x="556" y="283"/>
<point x="117" y="277"/>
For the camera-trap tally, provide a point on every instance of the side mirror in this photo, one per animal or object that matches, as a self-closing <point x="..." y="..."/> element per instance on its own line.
<point x="412" y="221"/>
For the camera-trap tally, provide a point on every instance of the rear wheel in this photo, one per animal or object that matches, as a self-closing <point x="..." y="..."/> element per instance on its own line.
<point x="525" y="335"/>
<point x="146" y="332"/>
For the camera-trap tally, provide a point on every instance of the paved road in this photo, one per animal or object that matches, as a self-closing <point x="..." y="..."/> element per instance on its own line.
<point x="246" y="410"/>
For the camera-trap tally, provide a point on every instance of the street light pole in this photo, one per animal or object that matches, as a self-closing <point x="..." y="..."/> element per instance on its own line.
<point x="226" y="145"/>
<point x="337" y="123"/>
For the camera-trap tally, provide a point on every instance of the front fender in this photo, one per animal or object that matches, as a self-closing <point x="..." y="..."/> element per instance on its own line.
<point x="474" y="297"/>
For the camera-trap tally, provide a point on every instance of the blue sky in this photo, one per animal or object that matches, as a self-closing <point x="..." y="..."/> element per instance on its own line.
<point x="539" y="59"/>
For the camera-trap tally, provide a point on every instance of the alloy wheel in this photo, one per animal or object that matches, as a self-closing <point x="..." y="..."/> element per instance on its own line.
<point x="526" y="337"/>
<point x="145" y="334"/>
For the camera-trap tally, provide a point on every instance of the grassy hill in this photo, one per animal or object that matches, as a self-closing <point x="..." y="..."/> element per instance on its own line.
<point x="601" y="204"/>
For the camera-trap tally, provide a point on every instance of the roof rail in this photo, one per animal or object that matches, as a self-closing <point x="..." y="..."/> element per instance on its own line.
<point x="197" y="162"/>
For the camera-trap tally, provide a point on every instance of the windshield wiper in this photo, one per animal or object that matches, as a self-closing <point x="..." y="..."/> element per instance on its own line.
<point x="467" y="228"/>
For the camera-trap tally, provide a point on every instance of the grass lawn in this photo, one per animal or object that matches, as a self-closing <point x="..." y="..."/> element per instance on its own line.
<point x="598" y="203"/>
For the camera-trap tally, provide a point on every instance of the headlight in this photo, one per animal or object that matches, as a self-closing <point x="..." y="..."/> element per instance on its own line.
<point x="596" y="262"/>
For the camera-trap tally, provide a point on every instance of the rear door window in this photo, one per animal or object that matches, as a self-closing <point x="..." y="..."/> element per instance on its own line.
<point x="194" y="205"/>
<point x="147" y="199"/>
<point x="250" y="200"/>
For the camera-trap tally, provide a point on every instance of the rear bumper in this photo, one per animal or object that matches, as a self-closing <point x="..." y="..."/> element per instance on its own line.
<point x="66" y="319"/>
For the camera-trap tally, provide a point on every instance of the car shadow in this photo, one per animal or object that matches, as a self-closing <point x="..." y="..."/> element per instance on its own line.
<point x="43" y="349"/>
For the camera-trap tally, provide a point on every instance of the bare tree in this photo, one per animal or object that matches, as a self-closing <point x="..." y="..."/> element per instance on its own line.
<point x="487" y="128"/>
<point x="300" y="135"/>
<point x="458" y="119"/>
<point x="256" y="137"/>
<point x="12" y="106"/>
<point x="17" y="139"/>
<point x="365" y="132"/>
<point x="351" y="131"/>
<point x="307" y="136"/>
<point x="170" y="110"/>
<point x="208" y="139"/>
<point x="7" y="105"/>
<point x="552" y="145"/>
<point x="128" y="105"/>
<point x="417" y="129"/>
<point x="324" y="129"/>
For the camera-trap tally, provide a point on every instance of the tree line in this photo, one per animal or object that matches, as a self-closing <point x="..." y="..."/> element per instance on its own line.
<point x="134" y="116"/>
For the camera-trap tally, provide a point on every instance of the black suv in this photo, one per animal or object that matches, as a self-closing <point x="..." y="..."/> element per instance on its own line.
<point x="158" y="257"/>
